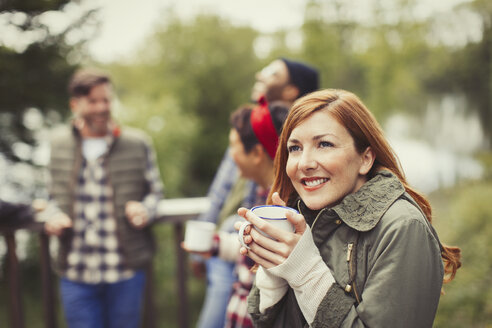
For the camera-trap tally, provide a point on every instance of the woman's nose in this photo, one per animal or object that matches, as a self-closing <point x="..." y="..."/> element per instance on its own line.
<point x="307" y="160"/>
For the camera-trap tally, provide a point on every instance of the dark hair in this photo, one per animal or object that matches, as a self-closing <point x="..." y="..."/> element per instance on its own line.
<point x="241" y="121"/>
<point x="84" y="80"/>
<point x="305" y="77"/>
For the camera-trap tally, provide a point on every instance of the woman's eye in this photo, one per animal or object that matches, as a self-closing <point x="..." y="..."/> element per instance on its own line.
<point x="324" y="144"/>
<point x="293" y="148"/>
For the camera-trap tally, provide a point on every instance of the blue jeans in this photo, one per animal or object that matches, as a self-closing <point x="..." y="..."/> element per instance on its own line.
<point x="114" y="305"/>
<point x="220" y="277"/>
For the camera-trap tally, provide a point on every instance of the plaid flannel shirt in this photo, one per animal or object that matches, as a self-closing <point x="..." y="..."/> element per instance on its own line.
<point x="95" y="255"/>
<point x="237" y="315"/>
<point x="221" y="186"/>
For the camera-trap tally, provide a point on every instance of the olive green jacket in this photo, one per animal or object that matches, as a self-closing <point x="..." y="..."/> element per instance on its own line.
<point x="385" y="258"/>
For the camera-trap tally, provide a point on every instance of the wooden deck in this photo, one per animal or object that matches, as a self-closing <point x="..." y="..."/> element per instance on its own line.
<point x="170" y="211"/>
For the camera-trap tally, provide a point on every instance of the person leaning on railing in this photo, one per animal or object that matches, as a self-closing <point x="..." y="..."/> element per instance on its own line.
<point x="106" y="187"/>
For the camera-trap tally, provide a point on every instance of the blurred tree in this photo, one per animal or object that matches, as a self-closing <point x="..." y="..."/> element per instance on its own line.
<point x="35" y="68"/>
<point x="389" y="59"/>
<point x="379" y="59"/>
<point x="195" y="71"/>
<point x="467" y="70"/>
<point x="329" y="36"/>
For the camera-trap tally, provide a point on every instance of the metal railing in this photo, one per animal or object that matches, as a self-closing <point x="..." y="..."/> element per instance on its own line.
<point x="170" y="211"/>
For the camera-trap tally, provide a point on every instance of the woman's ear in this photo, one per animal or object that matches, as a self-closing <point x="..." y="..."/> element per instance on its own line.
<point x="74" y="103"/>
<point x="368" y="157"/>
<point x="290" y="92"/>
<point x="258" y="153"/>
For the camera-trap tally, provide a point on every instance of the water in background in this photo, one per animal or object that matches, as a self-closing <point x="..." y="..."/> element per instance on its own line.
<point x="436" y="150"/>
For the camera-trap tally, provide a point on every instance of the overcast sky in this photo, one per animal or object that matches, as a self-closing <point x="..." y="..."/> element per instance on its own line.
<point x="125" y="23"/>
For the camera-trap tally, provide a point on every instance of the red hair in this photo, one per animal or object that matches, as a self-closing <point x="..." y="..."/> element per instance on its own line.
<point x="349" y="111"/>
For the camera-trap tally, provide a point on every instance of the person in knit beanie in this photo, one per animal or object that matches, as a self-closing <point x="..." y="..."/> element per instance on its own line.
<point x="303" y="76"/>
<point x="282" y="80"/>
<point x="285" y="80"/>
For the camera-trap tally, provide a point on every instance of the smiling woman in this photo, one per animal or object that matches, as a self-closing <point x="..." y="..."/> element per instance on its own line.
<point x="323" y="163"/>
<point x="361" y="229"/>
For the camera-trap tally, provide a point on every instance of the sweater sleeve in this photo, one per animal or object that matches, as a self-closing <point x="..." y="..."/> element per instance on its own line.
<point x="307" y="274"/>
<point x="228" y="246"/>
<point x="272" y="288"/>
<point x="154" y="182"/>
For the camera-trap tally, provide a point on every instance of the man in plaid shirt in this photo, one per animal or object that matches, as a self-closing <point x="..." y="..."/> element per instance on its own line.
<point x="104" y="190"/>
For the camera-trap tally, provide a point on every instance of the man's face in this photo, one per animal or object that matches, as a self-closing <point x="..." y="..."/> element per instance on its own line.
<point x="94" y="110"/>
<point x="271" y="81"/>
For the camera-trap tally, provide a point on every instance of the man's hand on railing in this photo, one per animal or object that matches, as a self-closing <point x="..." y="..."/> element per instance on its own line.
<point x="136" y="214"/>
<point x="56" y="224"/>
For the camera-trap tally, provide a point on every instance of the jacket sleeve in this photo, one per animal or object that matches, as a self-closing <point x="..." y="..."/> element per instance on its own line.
<point x="221" y="186"/>
<point x="153" y="180"/>
<point x="404" y="277"/>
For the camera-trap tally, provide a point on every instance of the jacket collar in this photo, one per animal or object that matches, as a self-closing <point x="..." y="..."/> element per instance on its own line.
<point x="111" y="137"/>
<point x="363" y="209"/>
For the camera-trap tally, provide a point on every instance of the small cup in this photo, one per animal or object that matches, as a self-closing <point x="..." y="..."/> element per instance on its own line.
<point x="274" y="214"/>
<point x="199" y="235"/>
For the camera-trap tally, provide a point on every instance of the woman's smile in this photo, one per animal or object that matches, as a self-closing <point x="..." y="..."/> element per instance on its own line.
<point x="323" y="164"/>
<point x="313" y="183"/>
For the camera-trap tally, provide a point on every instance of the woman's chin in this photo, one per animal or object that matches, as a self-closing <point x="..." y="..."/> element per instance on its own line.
<point x="315" y="206"/>
<point x="318" y="204"/>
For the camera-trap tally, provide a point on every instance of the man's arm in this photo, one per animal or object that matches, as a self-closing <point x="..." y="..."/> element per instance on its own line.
<point x="142" y="213"/>
<point x="220" y="188"/>
<point x="55" y="220"/>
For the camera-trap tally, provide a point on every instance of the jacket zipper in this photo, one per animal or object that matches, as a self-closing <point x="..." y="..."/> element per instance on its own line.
<point x="349" y="251"/>
<point x="352" y="266"/>
<point x="317" y="217"/>
<point x="350" y="247"/>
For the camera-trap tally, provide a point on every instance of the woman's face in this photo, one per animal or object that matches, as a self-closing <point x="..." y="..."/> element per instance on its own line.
<point x="244" y="161"/>
<point x="323" y="163"/>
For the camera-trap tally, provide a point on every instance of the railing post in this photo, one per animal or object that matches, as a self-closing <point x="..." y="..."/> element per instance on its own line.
<point x="149" y="306"/>
<point x="49" y="311"/>
<point x="177" y="212"/>
<point x="15" y="301"/>
<point x="173" y="211"/>
<point x="182" y="277"/>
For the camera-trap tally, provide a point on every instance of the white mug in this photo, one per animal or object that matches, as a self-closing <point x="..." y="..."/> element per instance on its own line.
<point x="274" y="214"/>
<point x="199" y="235"/>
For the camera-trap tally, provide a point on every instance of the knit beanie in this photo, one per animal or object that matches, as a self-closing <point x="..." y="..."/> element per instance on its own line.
<point x="303" y="76"/>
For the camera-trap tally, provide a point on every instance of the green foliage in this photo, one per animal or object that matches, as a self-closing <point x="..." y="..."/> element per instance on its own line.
<point x="328" y="45"/>
<point x="35" y="76"/>
<point x="172" y="131"/>
<point x="383" y="63"/>
<point x="198" y="71"/>
<point x="462" y="218"/>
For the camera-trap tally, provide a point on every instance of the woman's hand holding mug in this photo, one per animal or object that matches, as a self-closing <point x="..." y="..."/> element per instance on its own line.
<point x="277" y="230"/>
